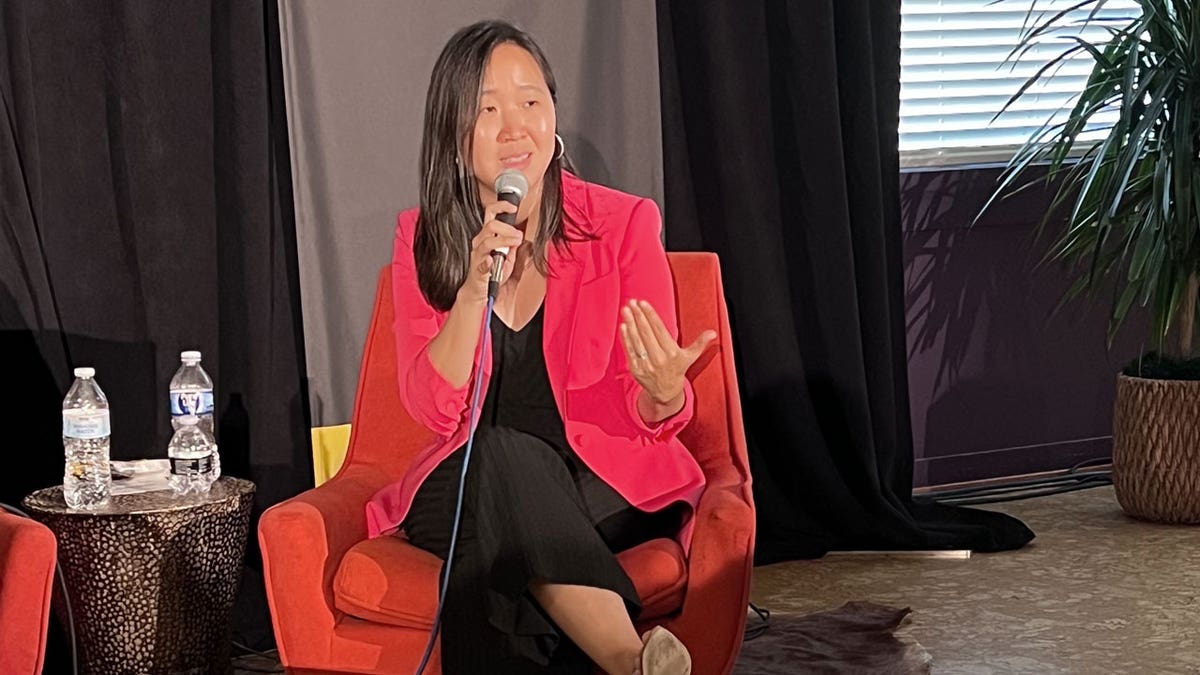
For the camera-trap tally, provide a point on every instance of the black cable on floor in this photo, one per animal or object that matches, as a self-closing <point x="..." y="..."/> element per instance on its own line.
<point x="1095" y="461"/>
<point x="242" y="668"/>
<point x="1018" y="486"/>
<point x="251" y="651"/>
<point x="1072" y="480"/>
<point x="1027" y="495"/>
<point x="757" y="630"/>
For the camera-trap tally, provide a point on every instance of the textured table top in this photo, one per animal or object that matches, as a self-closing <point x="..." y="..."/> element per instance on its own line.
<point x="50" y="500"/>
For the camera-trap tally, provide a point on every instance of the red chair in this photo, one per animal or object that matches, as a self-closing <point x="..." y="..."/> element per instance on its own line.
<point x="28" y="552"/>
<point x="343" y="603"/>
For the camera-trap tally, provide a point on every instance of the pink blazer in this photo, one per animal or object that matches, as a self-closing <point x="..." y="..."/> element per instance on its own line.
<point x="585" y="360"/>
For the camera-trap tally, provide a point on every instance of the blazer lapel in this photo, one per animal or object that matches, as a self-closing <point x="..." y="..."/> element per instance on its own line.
<point x="562" y="298"/>
<point x="569" y="271"/>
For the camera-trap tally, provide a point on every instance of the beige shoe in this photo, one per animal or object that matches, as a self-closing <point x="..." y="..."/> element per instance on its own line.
<point x="664" y="654"/>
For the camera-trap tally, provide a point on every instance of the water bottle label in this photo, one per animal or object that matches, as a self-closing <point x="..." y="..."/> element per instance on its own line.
<point x="191" y="403"/>
<point x="86" y="426"/>
<point x="191" y="467"/>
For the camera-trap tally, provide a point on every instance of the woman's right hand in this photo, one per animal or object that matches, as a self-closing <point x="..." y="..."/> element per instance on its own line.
<point x="492" y="236"/>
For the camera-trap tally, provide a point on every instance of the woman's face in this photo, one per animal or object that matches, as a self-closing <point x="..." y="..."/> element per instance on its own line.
<point x="516" y="124"/>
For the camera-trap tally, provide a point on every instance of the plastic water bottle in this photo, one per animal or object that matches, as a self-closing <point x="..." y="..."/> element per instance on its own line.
<point x="191" y="452"/>
<point x="86" y="428"/>
<point x="191" y="392"/>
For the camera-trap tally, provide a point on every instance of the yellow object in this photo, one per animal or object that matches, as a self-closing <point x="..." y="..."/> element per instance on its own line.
<point x="329" y="446"/>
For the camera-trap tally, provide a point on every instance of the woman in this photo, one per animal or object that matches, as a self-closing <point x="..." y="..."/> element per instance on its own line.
<point x="575" y="455"/>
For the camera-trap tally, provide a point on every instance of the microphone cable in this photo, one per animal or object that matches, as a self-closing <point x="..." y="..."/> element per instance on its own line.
<point x="462" y="482"/>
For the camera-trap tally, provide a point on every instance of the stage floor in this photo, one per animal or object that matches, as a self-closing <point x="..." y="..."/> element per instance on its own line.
<point x="1096" y="592"/>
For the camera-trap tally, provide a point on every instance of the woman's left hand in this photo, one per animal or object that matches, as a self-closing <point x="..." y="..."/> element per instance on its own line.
<point x="656" y="361"/>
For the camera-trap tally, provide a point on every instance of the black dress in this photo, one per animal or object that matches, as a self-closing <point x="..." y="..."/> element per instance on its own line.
<point x="532" y="510"/>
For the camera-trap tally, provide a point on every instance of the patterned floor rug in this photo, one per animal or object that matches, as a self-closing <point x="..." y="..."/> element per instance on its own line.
<point x="858" y="637"/>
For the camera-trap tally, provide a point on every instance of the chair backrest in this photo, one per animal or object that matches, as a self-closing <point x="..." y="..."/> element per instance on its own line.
<point x="382" y="432"/>
<point x="715" y="435"/>
<point x="384" y="436"/>
<point x="28" y="552"/>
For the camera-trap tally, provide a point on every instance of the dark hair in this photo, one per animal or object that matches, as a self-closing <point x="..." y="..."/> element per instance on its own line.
<point x="451" y="214"/>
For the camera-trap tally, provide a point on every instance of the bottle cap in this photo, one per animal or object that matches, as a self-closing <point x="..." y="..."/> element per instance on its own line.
<point x="85" y="372"/>
<point x="189" y="356"/>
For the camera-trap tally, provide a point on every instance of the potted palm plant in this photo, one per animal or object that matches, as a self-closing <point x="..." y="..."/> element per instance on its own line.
<point x="1130" y="193"/>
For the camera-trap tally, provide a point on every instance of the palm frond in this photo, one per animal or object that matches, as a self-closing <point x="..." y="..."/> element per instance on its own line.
<point x="1130" y="193"/>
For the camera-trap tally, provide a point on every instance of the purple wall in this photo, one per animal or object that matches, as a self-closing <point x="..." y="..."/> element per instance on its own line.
<point x="998" y="385"/>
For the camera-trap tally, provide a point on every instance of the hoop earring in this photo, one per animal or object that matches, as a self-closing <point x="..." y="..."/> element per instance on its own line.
<point x="462" y="171"/>
<point x="562" y="147"/>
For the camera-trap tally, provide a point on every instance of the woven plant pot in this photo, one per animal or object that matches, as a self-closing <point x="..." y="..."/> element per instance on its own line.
<point x="1156" y="449"/>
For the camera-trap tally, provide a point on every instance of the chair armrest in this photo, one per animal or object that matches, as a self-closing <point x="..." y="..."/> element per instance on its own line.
<point x="28" y="550"/>
<point x="303" y="541"/>
<point x="721" y="559"/>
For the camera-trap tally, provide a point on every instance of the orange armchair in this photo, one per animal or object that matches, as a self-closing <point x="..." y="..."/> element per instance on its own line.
<point x="343" y="603"/>
<point x="28" y="552"/>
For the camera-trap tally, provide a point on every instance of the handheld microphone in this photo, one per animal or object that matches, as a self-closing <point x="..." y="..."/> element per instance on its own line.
<point x="511" y="187"/>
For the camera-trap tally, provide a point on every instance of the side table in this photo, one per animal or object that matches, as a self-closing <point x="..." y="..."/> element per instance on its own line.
<point x="151" y="576"/>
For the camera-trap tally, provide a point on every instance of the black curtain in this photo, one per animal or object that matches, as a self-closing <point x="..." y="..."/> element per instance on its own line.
<point x="147" y="208"/>
<point x="780" y="142"/>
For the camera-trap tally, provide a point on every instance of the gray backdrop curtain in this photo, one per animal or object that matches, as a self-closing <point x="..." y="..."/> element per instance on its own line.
<point x="355" y="77"/>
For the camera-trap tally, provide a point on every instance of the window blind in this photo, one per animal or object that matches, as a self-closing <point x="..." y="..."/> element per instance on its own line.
<point x="954" y="77"/>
